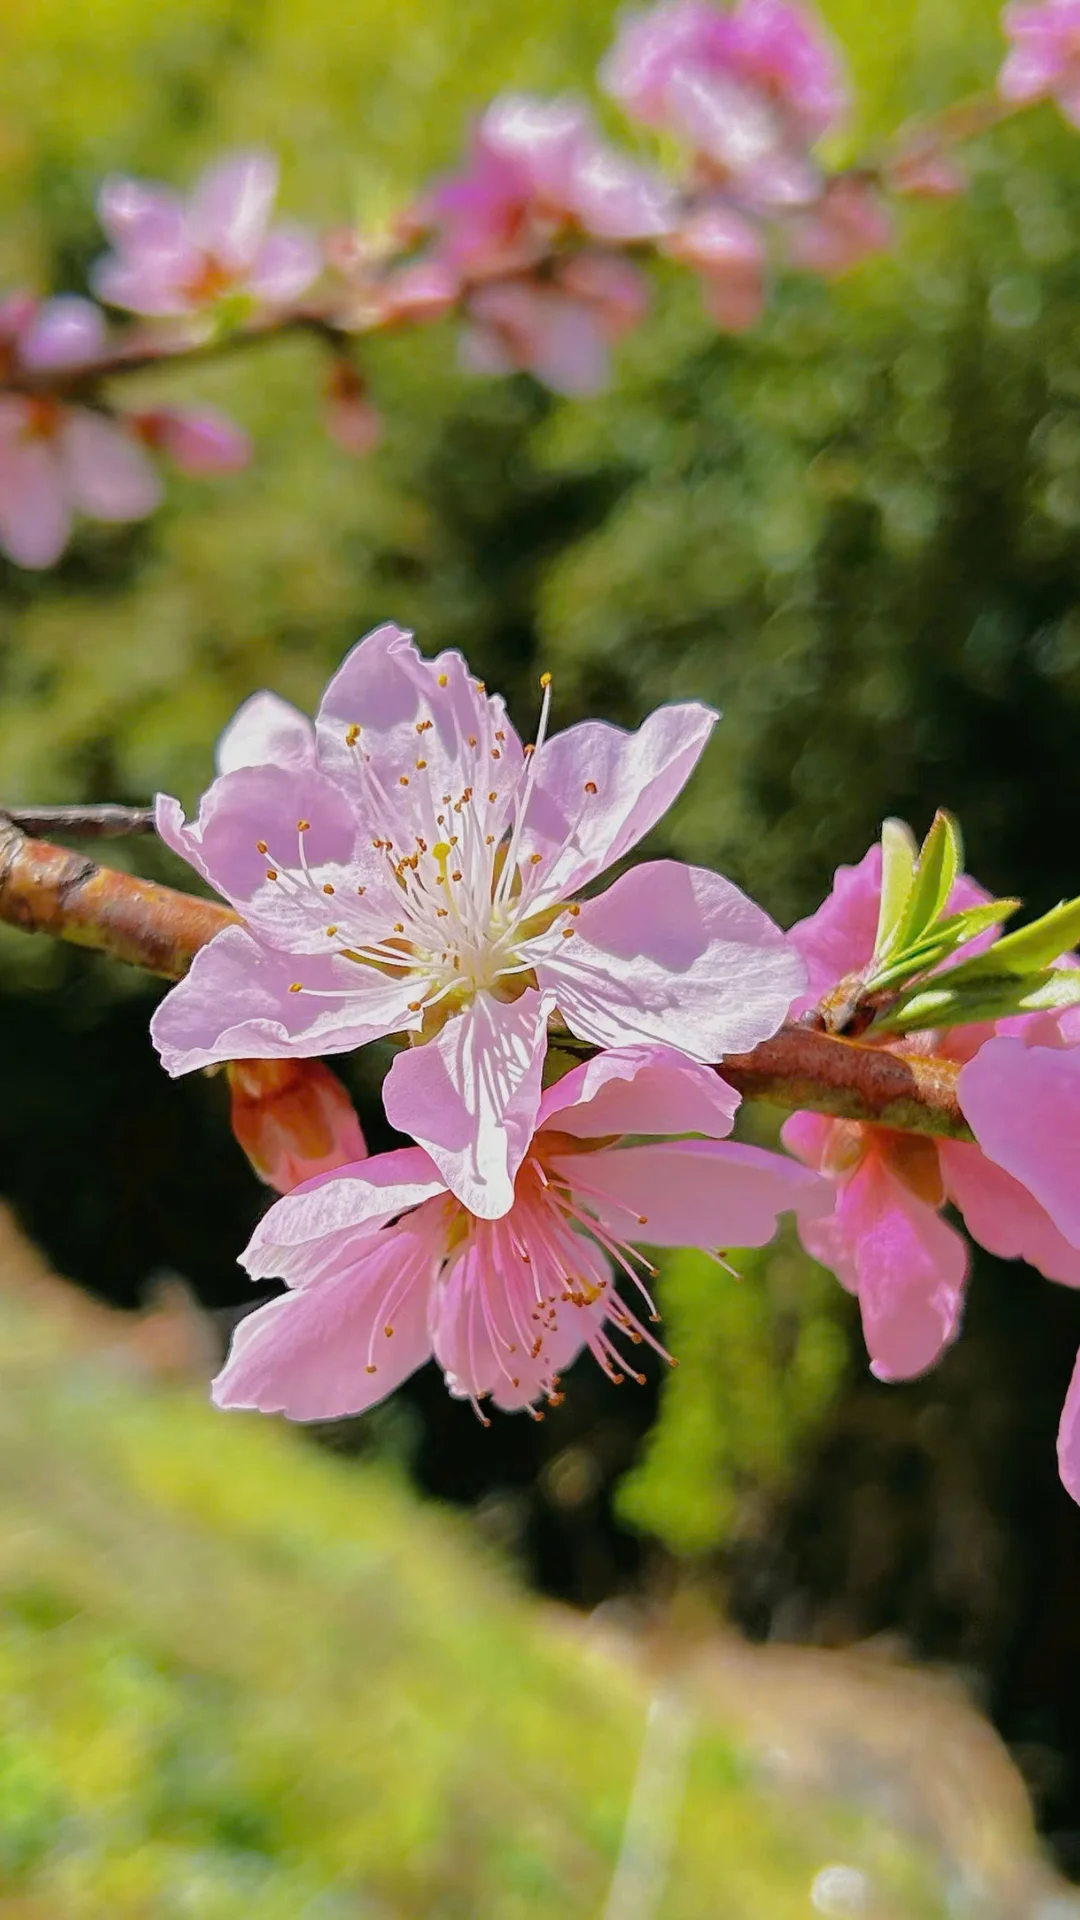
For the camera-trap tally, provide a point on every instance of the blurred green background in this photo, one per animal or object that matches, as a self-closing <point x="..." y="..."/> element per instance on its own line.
<point x="857" y="531"/>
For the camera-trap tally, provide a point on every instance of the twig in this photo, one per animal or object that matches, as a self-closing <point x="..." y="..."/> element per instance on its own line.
<point x="47" y="889"/>
<point x="97" y="823"/>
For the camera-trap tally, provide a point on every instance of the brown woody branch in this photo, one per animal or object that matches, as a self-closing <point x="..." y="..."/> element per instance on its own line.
<point x="47" y="889"/>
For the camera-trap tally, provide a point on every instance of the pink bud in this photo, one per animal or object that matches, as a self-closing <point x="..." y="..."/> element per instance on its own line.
<point x="199" y="441"/>
<point x="293" y="1119"/>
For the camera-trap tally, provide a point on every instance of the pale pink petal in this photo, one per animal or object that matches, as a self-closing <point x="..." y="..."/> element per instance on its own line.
<point x="1068" y="1440"/>
<point x="693" y="1193"/>
<point x="538" y="143"/>
<point x="598" y="790"/>
<point x="35" y="522"/>
<point x="907" y="1266"/>
<point x="558" y="339"/>
<point x="470" y="1096"/>
<point x="266" y="731"/>
<point x="806" y="1135"/>
<point x="1023" y="1106"/>
<point x="285" y="265"/>
<point x="236" y="1004"/>
<point x="676" y="955"/>
<point x="486" y="1332"/>
<point x="156" y="287"/>
<point x="200" y="441"/>
<point x="335" y="1349"/>
<point x="839" y="938"/>
<point x="1029" y="71"/>
<point x="304" y="1232"/>
<point x="734" y="125"/>
<point x="248" y="829"/>
<point x="617" y="200"/>
<point x="147" y="219"/>
<point x="106" y="472"/>
<point x="1003" y="1216"/>
<point x="640" y="1090"/>
<point x="615" y="288"/>
<point x="231" y="205"/>
<point x="65" y="332"/>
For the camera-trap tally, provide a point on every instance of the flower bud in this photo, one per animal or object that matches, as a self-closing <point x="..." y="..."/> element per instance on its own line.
<point x="293" y="1119"/>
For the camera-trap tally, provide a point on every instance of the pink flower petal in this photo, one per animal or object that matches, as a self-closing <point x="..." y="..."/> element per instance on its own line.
<point x="470" y="1096"/>
<point x="598" y="790"/>
<point x="230" y="207"/>
<point x="675" y="955"/>
<point x="35" y="522"/>
<point x="65" y="332"/>
<point x="1002" y="1215"/>
<point x="147" y="219"/>
<point x="303" y="1234"/>
<point x="285" y="265"/>
<point x="1023" y="1106"/>
<point x="259" y="807"/>
<point x="839" y="937"/>
<point x="200" y="441"/>
<point x="1068" y="1441"/>
<point x="560" y="341"/>
<point x="640" y="1090"/>
<point x="106" y="472"/>
<point x="235" y="1004"/>
<point x="693" y="1193"/>
<point x="482" y="1329"/>
<point x="907" y="1266"/>
<point x="266" y="731"/>
<point x="156" y="287"/>
<point x="325" y="1351"/>
<point x="806" y="1135"/>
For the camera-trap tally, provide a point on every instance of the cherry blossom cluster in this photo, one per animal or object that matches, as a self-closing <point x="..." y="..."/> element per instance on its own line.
<point x="537" y="245"/>
<point x="407" y="868"/>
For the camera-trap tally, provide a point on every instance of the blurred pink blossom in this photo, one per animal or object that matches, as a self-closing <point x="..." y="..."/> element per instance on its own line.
<point x="1044" y="58"/>
<point x="559" y="329"/>
<point x="385" y="1268"/>
<point x="747" y="90"/>
<point x="178" y="257"/>
<point x="885" y="1239"/>
<point x="729" y="253"/>
<point x="539" y="172"/>
<point x="57" y="460"/>
<point x="407" y="866"/>
<point x="198" y="440"/>
<point x="848" y="224"/>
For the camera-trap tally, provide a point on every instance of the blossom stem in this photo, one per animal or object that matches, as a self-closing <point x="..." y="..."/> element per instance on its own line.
<point x="47" y="889"/>
<point x="106" y="822"/>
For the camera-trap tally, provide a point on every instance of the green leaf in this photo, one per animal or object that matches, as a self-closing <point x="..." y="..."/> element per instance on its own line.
<point x="938" y="864"/>
<point x="1030" y="947"/>
<point x="941" y="940"/>
<point x="898" y="856"/>
<point x="948" y="1003"/>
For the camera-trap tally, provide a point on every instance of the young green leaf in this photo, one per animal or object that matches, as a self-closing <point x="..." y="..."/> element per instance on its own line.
<point x="898" y="856"/>
<point x="938" y="864"/>
<point x="939" y="942"/>
<point x="946" y="1003"/>
<point x="1030" y="947"/>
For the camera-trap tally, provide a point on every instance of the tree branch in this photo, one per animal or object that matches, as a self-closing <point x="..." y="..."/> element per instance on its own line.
<point x="47" y="889"/>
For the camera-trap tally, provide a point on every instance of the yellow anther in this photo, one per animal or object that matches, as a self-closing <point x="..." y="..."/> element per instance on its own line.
<point x="472" y="739"/>
<point x="496" y="754"/>
<point x="352" y="735"/>
<point x="361" y="889"/>
<point x="456" y="875"/>
<point x="573" y="909"/>
<point x="389" y="1332"/>
<point x="399" y="926"/>
<point x="500" y="736"/>
<point x="261" y="846"/>
<point x="403" y="779"/>
<point x="295" y="987"/>
<point x="489" y="839"/>
<point x="302" y="826"/>
<point x="493" y="797"/>
<point x="415" y="1006"/>
<point x="330" y="932"/>
<point x="327" y="888"/>
<point x="528" y="750"/>
<point x="271" y="873"/>
<point x="568" y="933"/>
<point x="535" y="859"/>
<point x="371" y="1369"/>
<point x="590" y="786"/>
<point x="420" y="765"/>
<point x="545" y="679"/>
<point x="441" y="850"/>
<point x="444" y="679"/>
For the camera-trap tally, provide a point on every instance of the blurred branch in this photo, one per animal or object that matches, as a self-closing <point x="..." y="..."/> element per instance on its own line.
<point x="98" y="823"/>
<point x="47" y="889"/>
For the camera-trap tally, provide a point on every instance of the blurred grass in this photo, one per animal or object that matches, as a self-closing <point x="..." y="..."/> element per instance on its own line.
<point x="242" y="1679"/>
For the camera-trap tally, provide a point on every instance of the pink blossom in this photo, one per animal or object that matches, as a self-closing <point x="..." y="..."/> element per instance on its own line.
<point x="747" y="89"/>
<point x="849" y="223"/>
<point x="57" y="460"/>
<point x="1044" y="57"/>
<point x="386" y="1268"/>
<point x="177" y="257"/>
<point x="198" y="440"/>
<point x="885" y="1239"/>
<point x="539" y="172"/>
<point x="405" y="865"/>
<point x="729" y="254"/>
<point x="560" y="329"/>
<point x="293" y="1119"/>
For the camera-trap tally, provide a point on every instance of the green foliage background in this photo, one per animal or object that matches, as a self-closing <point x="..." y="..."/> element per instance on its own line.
<point x="856" y="531"/>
